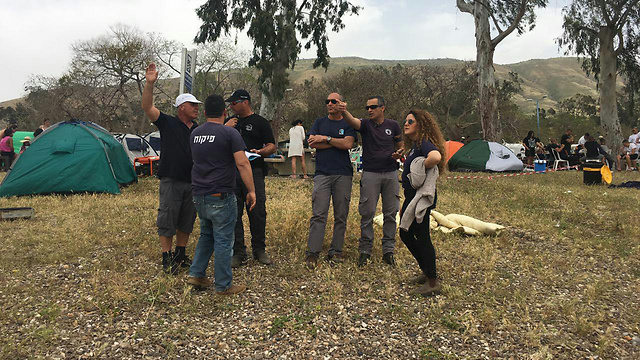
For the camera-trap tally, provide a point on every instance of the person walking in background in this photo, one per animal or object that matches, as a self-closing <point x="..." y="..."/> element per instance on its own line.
<point x="296" y="147"/>
<point x="332" y="138"/>
<point x="426" y="151"/>
<point x="176" y="212"/>
<point x="258" y="138"/>
<point x="381" y="147"/>
<point x="214" y="182"/>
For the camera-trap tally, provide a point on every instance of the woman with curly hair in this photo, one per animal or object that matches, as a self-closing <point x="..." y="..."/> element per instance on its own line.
<point x="422" y="138"/>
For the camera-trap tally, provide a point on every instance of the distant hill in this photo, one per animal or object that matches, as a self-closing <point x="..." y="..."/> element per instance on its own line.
<point x="558" y="78"/>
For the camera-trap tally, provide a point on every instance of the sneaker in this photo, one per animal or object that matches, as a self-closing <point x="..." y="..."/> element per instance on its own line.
<point x="420" y="279"/>
<point x="363" y="259"/>
<point x="427" y="290"/>
<point x="336" y="258"/>
<point x="234" y="289"/>
<point x="168" y="264"/>
<point x="262" y="257"/>
<point x="311" y="261"/>
<point x="237" y="261"/>
<point x="181" y="259"/>
<point x="200" y="283"/>
<point x="389" y="259"/>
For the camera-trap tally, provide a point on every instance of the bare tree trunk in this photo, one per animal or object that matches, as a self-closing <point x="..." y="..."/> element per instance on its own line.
<point x="608" y="74"/>
<point x="488" y="95"/>
<point x="268" y="106"/>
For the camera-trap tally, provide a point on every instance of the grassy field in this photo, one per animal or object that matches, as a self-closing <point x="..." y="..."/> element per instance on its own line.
<point x="83" y="280"/>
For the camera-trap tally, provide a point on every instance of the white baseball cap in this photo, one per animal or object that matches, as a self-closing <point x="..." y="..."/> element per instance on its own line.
<point x="183" y="98"/>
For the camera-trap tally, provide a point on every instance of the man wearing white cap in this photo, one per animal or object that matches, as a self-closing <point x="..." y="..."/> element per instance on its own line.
<point x="176" y="212"/>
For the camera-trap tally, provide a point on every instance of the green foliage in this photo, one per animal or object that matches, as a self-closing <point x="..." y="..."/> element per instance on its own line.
<point x="274" y="27"/>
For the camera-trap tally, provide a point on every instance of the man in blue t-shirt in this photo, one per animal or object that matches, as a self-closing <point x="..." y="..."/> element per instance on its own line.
<point x="176" y="213"/>
<point x="332" y="138"/>
<point x="381" y="147"/>
<point x="217" y="151"/>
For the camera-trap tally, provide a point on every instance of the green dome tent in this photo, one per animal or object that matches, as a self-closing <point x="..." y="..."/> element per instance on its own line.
<point x="70" y="157"/>
<point x="481" y="155"/>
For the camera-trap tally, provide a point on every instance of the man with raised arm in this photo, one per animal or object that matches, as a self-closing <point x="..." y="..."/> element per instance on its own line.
<point x="217" y="152"/>
<point x="258" y="137"/>
<point x="381" y="147"/>
<point x="176" y="212"/>
<point x="332" y="138"/>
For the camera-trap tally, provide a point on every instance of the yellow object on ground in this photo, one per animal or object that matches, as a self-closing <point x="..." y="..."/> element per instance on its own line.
<point x="607" y="176"/>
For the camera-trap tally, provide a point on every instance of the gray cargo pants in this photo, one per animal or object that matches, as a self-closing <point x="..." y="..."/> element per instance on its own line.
<point x="372" y="185"/>
<point x="326" y="187"/>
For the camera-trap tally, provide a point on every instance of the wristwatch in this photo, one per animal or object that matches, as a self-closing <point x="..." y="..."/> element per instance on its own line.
<point x="329" y="139"/>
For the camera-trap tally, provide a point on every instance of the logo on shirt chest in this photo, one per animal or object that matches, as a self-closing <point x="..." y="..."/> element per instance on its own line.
<point x="341" y="132"/>
<point x="249" y="127"/>
<point x="387" y="131"/>
<point x="411" y="152"/>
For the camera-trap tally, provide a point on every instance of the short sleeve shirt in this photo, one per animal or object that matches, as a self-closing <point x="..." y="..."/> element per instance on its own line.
<point x="423" y="150"/>
<point x="531" y="142"/>
<point x="567" y="145"/>
<point x="333" y="161"/>
<point x="593" y="149"/>
<point x="256" y="133"/>
<point x="214" y="167"/>
<point x="175" y="153"/>
<point x="379" y="144"/>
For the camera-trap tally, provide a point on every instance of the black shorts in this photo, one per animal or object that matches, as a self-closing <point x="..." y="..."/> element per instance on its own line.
<point x="530" y="152"/>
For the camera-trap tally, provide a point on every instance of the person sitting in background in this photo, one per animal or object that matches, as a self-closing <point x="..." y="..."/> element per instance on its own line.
<point x="583" y="139"/>
<point x="592" y="150"/>
<point x="6" y="145"/>
<point x="627" y="153"/>
<point x="606" y="152"/>
<point x="45" y="125"/>
<point x="634" y="138"/>
<point x="26" y="142"/>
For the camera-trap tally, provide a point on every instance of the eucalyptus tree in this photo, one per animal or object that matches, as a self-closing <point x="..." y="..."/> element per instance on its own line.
<point x="603" y="31"/>
<point x="279" y="29"/>
<point x="505" y="16"/>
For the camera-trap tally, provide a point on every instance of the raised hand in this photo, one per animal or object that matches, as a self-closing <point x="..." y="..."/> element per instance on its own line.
<point x="152" y="73"/>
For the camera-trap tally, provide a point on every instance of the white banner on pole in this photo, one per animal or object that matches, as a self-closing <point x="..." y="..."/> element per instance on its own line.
<point x="187" y="70"/>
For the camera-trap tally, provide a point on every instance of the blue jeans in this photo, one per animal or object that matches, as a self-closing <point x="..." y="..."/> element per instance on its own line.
<point x="217" y="221"/>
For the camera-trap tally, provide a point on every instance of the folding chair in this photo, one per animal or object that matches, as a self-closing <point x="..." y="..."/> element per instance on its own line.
<point x="558" y="160"/>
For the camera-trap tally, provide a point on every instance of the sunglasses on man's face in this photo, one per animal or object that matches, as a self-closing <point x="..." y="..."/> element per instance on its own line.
<point x="372" y="107"/>
<point x="236" y="102"/>
<point x="333" y="101"/>
<point x="410" y="121"/>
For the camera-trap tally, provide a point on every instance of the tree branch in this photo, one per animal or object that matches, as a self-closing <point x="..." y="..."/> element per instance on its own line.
<point x="523" y="7"/>
<point x="493" y="18"/>
<point x="464" y="6"/>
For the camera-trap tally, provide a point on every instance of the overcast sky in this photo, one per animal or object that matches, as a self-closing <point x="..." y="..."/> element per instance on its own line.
<point x="36" y="35"/>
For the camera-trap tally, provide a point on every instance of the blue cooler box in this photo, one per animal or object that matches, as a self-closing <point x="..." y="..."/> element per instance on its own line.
<point x="540" y="165"/>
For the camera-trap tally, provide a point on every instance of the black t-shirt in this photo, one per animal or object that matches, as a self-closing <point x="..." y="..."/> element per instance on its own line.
<point x="379" y="144"/>
<point x="423" y="150"/>
<point x="531" y="142"/>
<point x="567" y="145"/>
<point x="175" y="153"/>
<point x="333" y="161"/>
<point x="593" y="149"/>
<point x="256" y="133"/>
<point x="214" y="174"/>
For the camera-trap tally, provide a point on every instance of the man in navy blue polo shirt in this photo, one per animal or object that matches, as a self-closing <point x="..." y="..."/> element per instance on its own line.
<point x="332" y="138"/>
<point x="176" y="213"/>
<point x="217" y="152"/>
<point x="381" y="147"/>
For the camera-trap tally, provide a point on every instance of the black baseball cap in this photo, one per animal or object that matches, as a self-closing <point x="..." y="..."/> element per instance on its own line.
<point x="239" y="94"/>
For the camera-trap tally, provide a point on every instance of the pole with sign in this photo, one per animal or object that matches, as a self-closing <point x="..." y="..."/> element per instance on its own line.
<point x="187" y="71"/>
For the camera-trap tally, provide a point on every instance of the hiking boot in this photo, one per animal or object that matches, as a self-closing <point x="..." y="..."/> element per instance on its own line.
<point x="420" y="279"/>
<point x="363" y="259"/>
<point x="262" y="258"/>
<point x="168" y="264"/>
<point x="237" y="261"/>
<point x="199" y="283"/>
<point x="389" y="259"/>
<point x="311" y="261"/>
<point x="427" y="290"/>
<point x="336" y="258"/>
<point x="234" y="289"/>
<point x="181" y="259"/>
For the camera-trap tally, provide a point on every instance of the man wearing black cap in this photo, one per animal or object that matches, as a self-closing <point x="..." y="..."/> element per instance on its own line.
<point x="258" y="137"/>
<point x="176" y="212"/>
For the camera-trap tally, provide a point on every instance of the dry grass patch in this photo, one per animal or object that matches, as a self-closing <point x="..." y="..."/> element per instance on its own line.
<point x="83" y="280"/>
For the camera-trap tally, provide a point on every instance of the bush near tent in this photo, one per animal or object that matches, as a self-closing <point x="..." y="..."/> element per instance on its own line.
<point x="481" y="155"/>
<point x="69" y="157"/>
